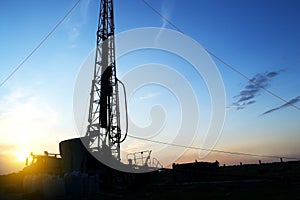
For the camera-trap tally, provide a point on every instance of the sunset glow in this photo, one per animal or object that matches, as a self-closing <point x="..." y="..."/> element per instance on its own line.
<point x="260" y="39"/>
<point x="22" y="155"/>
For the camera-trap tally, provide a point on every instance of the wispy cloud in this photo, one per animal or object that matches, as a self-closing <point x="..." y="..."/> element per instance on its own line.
<point x="84" y="9"/>
<point x="28" y="122"/>
<point x="289" y="103"/>
<point x="74" y="24"/>
<point x="252" y="90"/>
<point x="149" y="95"/>
<point x="166" y="11"/>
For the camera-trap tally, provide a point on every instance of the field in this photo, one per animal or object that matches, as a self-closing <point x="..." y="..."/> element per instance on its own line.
<point x="268" y="181"/>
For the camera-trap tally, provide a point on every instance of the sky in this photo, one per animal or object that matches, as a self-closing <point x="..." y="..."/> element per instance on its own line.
<point x="261" y="39"/>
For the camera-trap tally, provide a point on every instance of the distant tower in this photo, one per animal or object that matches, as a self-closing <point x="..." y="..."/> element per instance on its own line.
<point x="103" y="131"/>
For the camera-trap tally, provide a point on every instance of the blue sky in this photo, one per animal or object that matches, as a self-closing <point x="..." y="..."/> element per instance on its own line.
<point x="256" y="37"/>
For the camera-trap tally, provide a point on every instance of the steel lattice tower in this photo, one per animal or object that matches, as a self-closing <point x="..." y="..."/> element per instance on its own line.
<point x="103" y="131"/>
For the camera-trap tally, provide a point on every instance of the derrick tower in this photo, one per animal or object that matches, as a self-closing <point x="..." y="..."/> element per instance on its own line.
<point x="103" y="131"/>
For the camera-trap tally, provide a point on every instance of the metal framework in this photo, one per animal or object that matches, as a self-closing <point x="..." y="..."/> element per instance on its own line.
<point x="103" y="131"/>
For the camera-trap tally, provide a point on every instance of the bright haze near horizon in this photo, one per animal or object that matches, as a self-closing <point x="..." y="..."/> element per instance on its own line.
<point x="261" y="39"/>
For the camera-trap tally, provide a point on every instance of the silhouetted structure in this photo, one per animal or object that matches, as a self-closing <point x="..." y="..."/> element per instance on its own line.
<point x="195" y="170"/>
<point x="47" y="163"/>
<point x="103" y="132"/>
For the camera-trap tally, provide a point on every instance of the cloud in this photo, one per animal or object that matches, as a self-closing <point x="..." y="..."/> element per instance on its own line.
<point x="289" y="103"/>
<point x="74" y="24"/>
<point x="252" y="90"/>
<point x="84" y="9"/>
<point x="272" y="74"/>
<point x="6" y="148"/>
<point x="28" y="122"/>
<point x="166" y="11"/>
<point x="149" y="95"/>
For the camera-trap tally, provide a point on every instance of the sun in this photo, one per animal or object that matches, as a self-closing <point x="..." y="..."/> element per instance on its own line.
<point x="22" y="155"/>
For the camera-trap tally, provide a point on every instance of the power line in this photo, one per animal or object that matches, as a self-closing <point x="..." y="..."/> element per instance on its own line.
<point x="221" y="60"/>
<point x="236" y="71"/>
<point x="212" y="150"/>
<point x="40" y="44"/>
<point x="155" y="141"/>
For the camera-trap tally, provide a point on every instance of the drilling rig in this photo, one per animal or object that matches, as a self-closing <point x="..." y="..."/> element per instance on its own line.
<point x="83" y="158"/>
<point x="103" y="134"/>
<point x="101" y="142"/>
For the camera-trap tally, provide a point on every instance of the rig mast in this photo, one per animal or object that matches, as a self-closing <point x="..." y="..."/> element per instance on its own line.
<point x="103" y="131"/>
